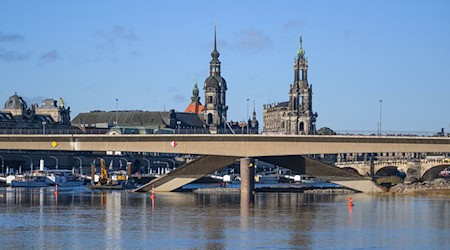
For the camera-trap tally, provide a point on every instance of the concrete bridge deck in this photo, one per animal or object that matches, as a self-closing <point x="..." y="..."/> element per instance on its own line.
<point x="226" y="145"/>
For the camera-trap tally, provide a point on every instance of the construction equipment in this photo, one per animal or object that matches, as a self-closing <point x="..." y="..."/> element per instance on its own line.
<point x="103" y="173"/>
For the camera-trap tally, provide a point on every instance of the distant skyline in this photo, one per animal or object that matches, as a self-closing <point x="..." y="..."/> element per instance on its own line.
<point x="149" y="54"/>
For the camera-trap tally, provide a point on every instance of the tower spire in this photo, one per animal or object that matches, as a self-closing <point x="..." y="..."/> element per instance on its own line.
<point x="215" y="43"/>
<point x="215" y="54"/>
<point x="301" y="41"/>
<point x="301" y="51"/>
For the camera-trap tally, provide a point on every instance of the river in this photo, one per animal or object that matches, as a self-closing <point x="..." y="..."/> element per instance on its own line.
<point x="82" y="219"/>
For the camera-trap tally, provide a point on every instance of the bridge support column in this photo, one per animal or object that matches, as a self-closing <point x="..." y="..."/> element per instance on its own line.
<point x="247" y="175"/>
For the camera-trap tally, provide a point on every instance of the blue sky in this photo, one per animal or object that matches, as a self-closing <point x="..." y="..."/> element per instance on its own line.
<point x="149" y="53"/>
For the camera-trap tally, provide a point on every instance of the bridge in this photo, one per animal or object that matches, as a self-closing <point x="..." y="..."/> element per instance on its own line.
<point x="221" y="150"/>
<point x="422" y="169"/>
<point x="226" y="145"/>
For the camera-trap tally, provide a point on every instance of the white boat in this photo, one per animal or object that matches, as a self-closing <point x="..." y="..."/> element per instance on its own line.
<point x="29" y="180"/>
<point x="64" y="178"/>
<point x="307" y="179"/>
<point x="45" y="178"/>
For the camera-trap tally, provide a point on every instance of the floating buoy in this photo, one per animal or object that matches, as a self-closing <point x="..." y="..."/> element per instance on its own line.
<point x="56" y="189"/>
<point x="153" y="192"/>
<point x="350" y="202"/>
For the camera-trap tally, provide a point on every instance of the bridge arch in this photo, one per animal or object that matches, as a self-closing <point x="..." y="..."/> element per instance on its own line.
<point x="433" y="172"/>
<point x="353" y="170"/>
<point x="387" y="170"/>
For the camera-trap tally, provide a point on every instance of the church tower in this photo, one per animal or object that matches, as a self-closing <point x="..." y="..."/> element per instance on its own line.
<point x="215" y="109"/>
<point x="295" y="116"/>
<point x="302" y="118"/>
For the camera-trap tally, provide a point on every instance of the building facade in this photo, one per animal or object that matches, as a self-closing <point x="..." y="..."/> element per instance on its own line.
<point x="215" y="88"/>
<point x="17" y="115"/>
<point x="295" y="116"/>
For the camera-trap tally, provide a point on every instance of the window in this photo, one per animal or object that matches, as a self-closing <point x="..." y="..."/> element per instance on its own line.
<point x="210" y="99"/>
<point x="210" y="117"/>
<point x="302" y="126"/>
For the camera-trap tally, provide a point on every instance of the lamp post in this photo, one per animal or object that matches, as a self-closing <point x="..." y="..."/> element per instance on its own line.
<point x="43" y="127"/>
<point x="247" y="115"/>
<point x="81" y="163"/>
<point x="117" y="109"/>
<point x="381" y="101"/>
<point x="173" y="162"/>
<point x="126" y="161"/>
<point x="148" y="166"/>
<point x="159" y="162"/>
<point x="178" y="126"/>
<point x="3" y="164"/>
<point x="56" y="160"/>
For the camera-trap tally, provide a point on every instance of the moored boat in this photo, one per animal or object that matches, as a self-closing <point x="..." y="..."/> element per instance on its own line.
<point x="28" y="180"/>
<point x="45" y="178"/>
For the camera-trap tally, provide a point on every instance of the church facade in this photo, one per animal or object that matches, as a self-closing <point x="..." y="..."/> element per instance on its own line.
<point x="296" y="116"/>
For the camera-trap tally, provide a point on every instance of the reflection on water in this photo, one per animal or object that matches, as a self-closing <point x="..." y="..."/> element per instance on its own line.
<point x="80" y="218"/>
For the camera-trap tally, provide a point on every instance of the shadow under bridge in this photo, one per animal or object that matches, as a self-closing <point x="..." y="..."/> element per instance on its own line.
<point x="299" y="164"/>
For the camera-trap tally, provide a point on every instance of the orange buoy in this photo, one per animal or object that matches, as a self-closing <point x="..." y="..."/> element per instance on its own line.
<point x="350" y="202"/>
<point x="56" y="189"/>
<point x="153" y="192"/>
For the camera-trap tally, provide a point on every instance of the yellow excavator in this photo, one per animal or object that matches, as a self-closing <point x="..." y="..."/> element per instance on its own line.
<point x="103" y="180"/>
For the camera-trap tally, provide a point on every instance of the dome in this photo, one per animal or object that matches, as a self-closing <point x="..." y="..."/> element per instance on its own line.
<point x="15" y="102"/>
<point x="211" y="82"/>
<point x="215" y="82"/>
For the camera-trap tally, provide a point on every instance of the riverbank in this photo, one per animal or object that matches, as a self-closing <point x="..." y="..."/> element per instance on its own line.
<point x="440" y="187"/>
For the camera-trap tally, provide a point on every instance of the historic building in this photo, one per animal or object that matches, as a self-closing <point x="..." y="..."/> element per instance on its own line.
<point x="197" y="118"/>
<point x="215" y="110"/>
<point x="296" y="115"/>
<point x="195" y="106"/>
<point x="17" y="115"/>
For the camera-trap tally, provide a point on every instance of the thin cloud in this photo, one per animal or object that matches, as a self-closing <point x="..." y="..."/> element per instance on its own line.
<point x="4" y="37"/>
<point x="119" y="32"/>
<point x="252" y="40"/>
<point x="50" y="56"/>
<point x="294" y="24"/>
<point x="179" y="98"/>
<point x="109" y="40"/>
<point x="13" y="56"/>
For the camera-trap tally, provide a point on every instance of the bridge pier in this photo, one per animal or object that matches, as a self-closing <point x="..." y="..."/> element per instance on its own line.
<point x="247" y="175"/>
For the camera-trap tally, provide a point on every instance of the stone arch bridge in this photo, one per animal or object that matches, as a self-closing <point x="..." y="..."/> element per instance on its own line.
<point x="421" y="169"/>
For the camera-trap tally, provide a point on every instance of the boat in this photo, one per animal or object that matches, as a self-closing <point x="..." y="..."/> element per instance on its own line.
<point x="63" y="178"/>
<point x="46" y="178"/>
<point x="29" y="180"/>
<point x="307" y="179"/>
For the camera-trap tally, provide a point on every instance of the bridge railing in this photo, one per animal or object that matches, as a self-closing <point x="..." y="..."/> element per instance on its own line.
<point x="243" y="131"/>
<point x="389" y="133"/>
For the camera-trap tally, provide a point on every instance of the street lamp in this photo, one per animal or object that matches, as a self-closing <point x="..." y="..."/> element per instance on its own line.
<point x="43" y="127"/>
<point x="126" y="161"/>
<point x="148" y="167"/>
<point x="3" y="164"/>
<point x="81" y="163"/>
<point x="380" y="115"/>
<point x="178" y="125"/>
<point x="31" y="162"/>
<point x="173" y="162"/>
<point x="159" y="162"/>
<point x="247" y="115"/>
<point x="56" y="159"/>
<point x="117" y="109"/>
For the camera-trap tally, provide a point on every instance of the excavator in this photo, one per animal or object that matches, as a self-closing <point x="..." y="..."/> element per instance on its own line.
<point x="103" y="180"/>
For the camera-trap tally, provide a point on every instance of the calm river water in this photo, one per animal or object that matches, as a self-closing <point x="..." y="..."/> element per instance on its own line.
<point x="84" y="219"/>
